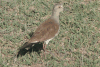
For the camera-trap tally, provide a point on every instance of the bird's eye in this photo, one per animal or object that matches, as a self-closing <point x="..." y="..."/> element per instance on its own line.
<point x="59" y="6"/>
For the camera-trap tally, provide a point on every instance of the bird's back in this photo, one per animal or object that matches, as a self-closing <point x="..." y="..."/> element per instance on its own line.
<point x="45" y="31"/>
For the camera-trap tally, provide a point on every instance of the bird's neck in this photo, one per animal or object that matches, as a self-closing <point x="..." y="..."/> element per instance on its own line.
<point x="55" y="15"/>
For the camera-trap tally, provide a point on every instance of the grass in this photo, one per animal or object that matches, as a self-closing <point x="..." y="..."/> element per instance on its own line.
<point x="77" y="45"/>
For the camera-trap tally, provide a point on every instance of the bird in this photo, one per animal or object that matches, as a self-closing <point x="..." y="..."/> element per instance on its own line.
<point x="47" y="30"/>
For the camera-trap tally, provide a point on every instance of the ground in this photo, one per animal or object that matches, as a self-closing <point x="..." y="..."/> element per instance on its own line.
<point x="78" y="42"/>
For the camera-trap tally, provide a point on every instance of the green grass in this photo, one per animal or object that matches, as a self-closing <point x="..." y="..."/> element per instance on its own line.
<point x="77" y="45"/>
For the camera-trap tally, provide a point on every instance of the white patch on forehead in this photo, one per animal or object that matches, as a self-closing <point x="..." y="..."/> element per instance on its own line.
<point x="61" y="6"/>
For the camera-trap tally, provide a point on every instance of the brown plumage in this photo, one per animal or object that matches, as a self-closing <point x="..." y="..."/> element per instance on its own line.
<point x="48" y="29"/>
<point x="45" y="31"/>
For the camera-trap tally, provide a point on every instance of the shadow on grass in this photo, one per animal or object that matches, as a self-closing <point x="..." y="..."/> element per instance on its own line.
<point x="33" y="47"/>
<point x="37" y="47"/>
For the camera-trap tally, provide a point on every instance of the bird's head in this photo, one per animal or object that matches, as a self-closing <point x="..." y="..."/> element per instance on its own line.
<point x="58" y="8"/>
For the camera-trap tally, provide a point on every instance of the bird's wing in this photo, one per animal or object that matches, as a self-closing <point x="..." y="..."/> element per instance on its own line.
<point x="45" y="31"/>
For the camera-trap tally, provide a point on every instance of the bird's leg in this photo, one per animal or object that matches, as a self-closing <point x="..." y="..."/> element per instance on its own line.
<point x="44" y="46"/>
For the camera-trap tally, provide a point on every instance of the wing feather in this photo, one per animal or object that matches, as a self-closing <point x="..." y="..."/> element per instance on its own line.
<point x="45" y="31"/>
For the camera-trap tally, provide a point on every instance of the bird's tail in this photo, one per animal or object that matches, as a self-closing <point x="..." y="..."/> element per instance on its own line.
<point x="25" y="45"/>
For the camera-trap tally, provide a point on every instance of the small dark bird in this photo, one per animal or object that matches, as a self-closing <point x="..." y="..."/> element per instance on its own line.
<point x="48" y="29"/>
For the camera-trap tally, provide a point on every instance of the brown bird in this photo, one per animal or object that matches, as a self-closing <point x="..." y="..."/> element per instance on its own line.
<point x="48" y="29"/>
